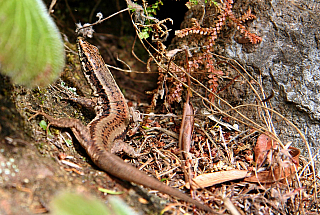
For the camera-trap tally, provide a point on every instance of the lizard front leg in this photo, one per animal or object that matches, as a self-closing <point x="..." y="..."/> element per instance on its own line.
<point x="80" y="131"/>
<point x="118" y="145"/>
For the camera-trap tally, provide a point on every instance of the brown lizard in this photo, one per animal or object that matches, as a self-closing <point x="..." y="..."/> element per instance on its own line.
<point x="107" y="130"/>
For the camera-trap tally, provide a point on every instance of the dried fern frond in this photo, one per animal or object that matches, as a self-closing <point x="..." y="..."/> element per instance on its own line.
<point x="226" y="14"/>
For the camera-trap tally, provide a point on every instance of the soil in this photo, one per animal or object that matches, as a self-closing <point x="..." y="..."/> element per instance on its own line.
<point x="32" y="171"/>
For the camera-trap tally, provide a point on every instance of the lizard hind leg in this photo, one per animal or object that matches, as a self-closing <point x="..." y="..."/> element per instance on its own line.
<point x="119" y="145"/>
<point x="37" y="113"/>
<point x="78" y="129"/>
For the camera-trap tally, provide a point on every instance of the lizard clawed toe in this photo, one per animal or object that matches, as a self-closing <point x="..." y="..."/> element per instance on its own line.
<point x="37" y="113"/>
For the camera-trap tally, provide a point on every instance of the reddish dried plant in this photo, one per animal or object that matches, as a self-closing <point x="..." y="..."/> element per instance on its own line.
<point x="172" y="87"/>
<point x="226" y="14"/>
<point x="205" y="63"/>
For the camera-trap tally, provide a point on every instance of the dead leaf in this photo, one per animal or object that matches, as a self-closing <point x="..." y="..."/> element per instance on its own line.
<point x="278" y="173"/>
<point x="209" y="179"/>
<point x="186" y="130"/>
<point x="262" y="150"/>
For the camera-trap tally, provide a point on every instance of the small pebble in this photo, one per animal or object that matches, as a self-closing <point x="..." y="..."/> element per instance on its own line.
<point x="7" y="171"/>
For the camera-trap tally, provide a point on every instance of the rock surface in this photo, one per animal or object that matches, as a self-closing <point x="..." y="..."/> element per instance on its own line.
<point x="288" y="60"/>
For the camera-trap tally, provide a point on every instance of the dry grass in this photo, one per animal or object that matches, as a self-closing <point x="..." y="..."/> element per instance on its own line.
<point x="215" y="139"/>
<point x="296" y="194"/>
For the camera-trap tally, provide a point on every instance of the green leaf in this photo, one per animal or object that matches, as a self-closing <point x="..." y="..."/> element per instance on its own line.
<point x="31" y="48"/>
<point x="119" y="207"/>
<point x="68" y="142"/>
<point x="131" y="8"/>
<point x="144" y="35"/>
<point x="110" y="191"/>
<point x="164" y="179"/>
<point x="43" y="124"/>
<point x="74" y="204"/>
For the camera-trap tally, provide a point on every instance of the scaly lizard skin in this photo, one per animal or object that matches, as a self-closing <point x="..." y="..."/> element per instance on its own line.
<point x="109" y="126"/>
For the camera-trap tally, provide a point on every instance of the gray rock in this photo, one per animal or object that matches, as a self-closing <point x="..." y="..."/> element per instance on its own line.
<point x="288" y="59"/>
